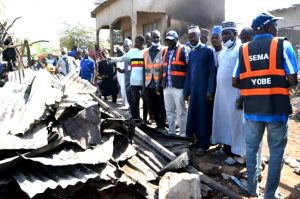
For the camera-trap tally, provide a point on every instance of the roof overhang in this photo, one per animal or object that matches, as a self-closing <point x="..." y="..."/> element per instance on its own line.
<point x="285" y="8"/>
<point x="101" y="7"/>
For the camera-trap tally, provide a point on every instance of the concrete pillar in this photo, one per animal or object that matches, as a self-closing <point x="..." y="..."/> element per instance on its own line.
<point x="164" y="24"/>
<point x="111" y="40"/>
<point x="97" y="36"/>
<point x="133" y="25"/>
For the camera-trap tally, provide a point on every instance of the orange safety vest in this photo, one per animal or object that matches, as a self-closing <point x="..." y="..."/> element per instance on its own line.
<point x="152" y="67"/>
<point x="263" y="81"/>
<point x="178" y="67"/>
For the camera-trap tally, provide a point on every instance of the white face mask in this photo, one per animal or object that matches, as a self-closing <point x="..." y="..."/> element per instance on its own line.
<point x="193" y="47"/>
<point x="229" y="43"/>
<point x="155" y="44"/>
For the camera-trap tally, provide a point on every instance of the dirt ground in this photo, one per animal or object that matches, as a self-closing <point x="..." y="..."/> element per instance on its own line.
<point x="289" y="186"/>
<point x="290" y="182"/>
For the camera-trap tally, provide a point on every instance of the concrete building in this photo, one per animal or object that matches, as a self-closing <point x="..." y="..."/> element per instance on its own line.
<point x="290" y="26"/>
<point x="136" y="17"/>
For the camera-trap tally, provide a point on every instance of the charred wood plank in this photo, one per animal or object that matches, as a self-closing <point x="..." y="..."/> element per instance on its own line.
<point x="169" y="155"/>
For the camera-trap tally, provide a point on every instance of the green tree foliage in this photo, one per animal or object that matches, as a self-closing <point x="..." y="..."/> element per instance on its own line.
<point x="77" y="35"/>
<point x="117" y="37"/>
<point x="39" y="48"/>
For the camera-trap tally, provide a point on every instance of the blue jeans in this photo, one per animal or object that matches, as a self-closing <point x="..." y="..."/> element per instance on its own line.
<point x="277" y="140"/>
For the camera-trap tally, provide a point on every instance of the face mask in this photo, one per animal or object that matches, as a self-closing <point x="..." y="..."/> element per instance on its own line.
<point x="193" y="47"/>
<point x="229" y="43"/>
<point x="155" y="44"/>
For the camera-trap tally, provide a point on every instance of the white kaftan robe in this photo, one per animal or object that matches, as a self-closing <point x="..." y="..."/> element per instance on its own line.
<point x="228" y="127"/>
<point x="121" y="80"/>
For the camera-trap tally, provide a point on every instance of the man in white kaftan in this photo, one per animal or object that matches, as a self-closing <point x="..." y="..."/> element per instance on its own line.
<point x="121" y="80"/>
<point x="227" y="120"/>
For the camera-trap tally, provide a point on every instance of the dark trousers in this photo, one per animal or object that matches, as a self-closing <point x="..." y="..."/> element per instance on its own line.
<point x="134" y="101"/>
<point x="11" y="65"/>
<point x="129" y="96"/>
<point x="204" y="138"/>
<point x="114" y="98"/>
<point x="156" y="106"/>
<point x="145" y="109"/>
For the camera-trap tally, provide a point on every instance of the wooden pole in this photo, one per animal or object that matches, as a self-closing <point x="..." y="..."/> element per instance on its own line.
<point x="171" y="156"/>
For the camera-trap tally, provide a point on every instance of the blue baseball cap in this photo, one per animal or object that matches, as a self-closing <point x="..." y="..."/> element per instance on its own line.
<point x="262" y="19"/>
<point x="171" y="35"/>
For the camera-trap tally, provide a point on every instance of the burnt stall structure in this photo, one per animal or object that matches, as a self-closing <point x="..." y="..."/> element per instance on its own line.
<point x="137" y="17"/>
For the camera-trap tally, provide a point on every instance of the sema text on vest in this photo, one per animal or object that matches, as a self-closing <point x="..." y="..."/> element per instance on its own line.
<point x="258" y="57"/>
<point x="261" y="81"/>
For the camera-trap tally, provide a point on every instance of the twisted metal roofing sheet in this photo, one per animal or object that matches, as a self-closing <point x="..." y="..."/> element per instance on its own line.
<point x="21" y="105"/>
<point x="39" y="179"/>
<point x="24" y="99"/>
<point x="99" y="154"/>
<point x="35" y="139"/>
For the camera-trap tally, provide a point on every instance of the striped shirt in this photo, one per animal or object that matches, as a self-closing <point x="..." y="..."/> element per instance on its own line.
<point x="136" y="59"/>
<point x="169" y="79"/>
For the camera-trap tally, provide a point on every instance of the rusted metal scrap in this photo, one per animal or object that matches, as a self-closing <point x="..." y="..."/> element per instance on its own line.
<point x="162" y="153"/>
<point x="122" y="159"/>
<point x="71" y="142"/>
<point x="28" y="104"/>
<point x="84" y="127"/>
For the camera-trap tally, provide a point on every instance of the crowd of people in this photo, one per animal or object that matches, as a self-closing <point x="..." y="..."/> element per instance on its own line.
<point x="226" y="94"/>
<point x="234" y="90"/>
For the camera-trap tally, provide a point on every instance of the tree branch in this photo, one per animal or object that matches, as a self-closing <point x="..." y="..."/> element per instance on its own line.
<point x="6" y="29"/>
<point x="17" y="45"/>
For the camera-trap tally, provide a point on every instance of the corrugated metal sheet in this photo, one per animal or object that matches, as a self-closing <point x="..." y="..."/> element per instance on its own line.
<point x="37" y="174"/>
<point x="107" y="171"/>
<point x="59" y="163"/>
<point x="123" y="150"/>
<point x="16" y="161"/>
<point x="175" y="144"/>
<point x="39" y="179"/>
<point x="25" y="98"/>
<point x="137" y="170"/>
<point x="21" y="105"/>
<point x="22" y="76"/>
<point x="149" y="156"/>
<point x="99" y="154"/>
<point x="36" y="138"/>
<point x="76" y="92"/>
<point x="84" y="127"/>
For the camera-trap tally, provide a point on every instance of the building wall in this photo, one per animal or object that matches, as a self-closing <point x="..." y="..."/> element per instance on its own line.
<point x="151" y="5"/>
<point x="112" y="12"/>
<point x="290" y="26"/>
<point x="144" y="19"/>
<point x="204" y="13"/>
<point x="290" y="15"/>
<point x="136" y="16"/>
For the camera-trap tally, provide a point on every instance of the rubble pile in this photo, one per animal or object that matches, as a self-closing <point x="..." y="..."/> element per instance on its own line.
<point x="58" y="140"/>
<point x="50" y="143"/>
